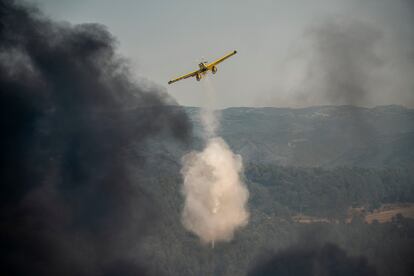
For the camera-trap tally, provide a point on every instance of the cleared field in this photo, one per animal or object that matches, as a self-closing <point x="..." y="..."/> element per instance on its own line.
<point x="309" y="219"/>
<point x="388" y="211"/>
<point x="383" y="214"/>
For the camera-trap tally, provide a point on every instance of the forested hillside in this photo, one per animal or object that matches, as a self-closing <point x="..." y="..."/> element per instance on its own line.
<point x="329" y="192"/>
<point x="277" y="195"/>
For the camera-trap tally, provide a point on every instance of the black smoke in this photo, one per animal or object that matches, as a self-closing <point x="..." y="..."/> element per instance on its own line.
<point x="325" y="260"/>
<point x="73" y="124"/>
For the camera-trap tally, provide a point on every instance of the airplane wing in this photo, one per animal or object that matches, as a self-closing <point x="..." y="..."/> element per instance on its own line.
<point x="221" y="59"/>
<point x="192" y="74"/>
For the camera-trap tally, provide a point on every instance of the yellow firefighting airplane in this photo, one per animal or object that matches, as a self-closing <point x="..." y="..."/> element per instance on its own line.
<point x="204" y="68"/>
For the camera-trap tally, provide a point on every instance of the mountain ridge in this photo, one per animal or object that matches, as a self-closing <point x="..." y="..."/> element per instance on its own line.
<point x="318" y="135"/>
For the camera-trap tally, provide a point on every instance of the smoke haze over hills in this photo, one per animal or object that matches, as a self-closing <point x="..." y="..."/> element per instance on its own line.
<point x="347" y="61"/>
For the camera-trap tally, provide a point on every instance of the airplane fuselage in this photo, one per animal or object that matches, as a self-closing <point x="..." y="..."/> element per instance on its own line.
<point x="203" y="66"/>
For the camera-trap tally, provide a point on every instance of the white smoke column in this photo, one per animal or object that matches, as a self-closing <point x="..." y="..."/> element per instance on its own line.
<point x="215" y="195"/>
<point x="208" y="117"/>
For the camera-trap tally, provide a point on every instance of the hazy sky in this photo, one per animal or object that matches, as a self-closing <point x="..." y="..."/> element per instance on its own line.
<point x="281" y="47"/>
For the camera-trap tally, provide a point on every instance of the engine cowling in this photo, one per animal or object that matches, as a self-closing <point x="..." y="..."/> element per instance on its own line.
<point x="214" y="69"/>
<point x="198" y="77"/>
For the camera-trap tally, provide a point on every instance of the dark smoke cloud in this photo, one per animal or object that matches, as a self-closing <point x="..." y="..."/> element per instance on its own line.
<point x="326" y="260"/>
<point x="344" y="57"/>
<point x="70" y="115"/>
